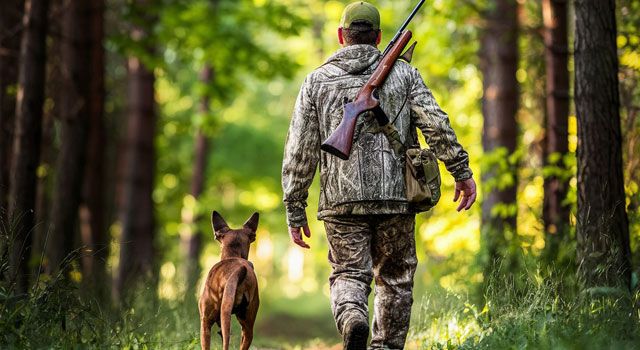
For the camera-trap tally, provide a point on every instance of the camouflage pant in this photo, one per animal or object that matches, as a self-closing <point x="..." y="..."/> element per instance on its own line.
<point x="380" y="247"/>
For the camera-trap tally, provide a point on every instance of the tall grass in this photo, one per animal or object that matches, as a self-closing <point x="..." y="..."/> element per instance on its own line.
<point x="56" y="315"/>
<point x="531" y="311"/>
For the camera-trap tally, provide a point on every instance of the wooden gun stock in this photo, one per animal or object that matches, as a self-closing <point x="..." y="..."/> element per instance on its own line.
<point x="340" y="141"/>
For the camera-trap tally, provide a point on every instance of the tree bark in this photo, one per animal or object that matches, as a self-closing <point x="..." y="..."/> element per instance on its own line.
<point x="136" y="213"/>
<point x="499" y="63"/>
<point x="92" y="213"/>
<point x="10" y="33"/>
<point x="555" y="213"/>
<point x="603" y="250"/>
<point x="26" y="146"/>
<point x="48" y="146"/>
<point x="74" y="120"/>
<point x="10" y="30"/>
<point x="191" y="238"/>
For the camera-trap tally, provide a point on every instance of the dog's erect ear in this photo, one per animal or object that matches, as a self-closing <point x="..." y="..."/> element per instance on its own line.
<point x="219" y="225"/>
<point x="252" y="222"/>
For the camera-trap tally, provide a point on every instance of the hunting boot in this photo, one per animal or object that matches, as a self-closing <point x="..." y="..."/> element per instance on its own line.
<point x="356" y="334"/>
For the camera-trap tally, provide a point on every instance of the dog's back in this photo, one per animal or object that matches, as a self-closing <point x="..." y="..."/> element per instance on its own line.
<point x="228" y="274"/>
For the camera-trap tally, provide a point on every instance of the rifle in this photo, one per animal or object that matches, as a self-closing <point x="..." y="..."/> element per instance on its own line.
<point x="340" y="141"/>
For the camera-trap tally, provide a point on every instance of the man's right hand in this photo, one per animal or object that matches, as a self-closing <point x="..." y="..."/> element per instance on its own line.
<point x="296" y="235"/>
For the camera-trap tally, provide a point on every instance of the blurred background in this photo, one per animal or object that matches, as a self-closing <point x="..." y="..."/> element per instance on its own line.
<point x="156" y="112"/>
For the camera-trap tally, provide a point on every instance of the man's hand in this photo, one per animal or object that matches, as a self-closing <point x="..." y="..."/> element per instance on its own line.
<point x="468" y="190"/>
<point x="296" y="235"/>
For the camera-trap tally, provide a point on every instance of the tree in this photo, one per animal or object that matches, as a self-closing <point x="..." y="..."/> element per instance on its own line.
<point x="136" y="212"/>
<point x="26" y="146"/>
<point x="10" y="26"/>
<point x="603" y="250"/>
<point x="92" y="214"/>
<point x="555" y="214"/>
<point x="499" y="63"/>
<point x="10" y="30"/>
<point x="75" y="107"/>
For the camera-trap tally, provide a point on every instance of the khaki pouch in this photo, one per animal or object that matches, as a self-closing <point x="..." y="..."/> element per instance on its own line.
<point x="422" y="178"/>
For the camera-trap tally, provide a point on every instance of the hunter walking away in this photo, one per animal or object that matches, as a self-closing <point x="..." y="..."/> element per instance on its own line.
<point x="427" y="173"/>
<point x="368" y="215"/>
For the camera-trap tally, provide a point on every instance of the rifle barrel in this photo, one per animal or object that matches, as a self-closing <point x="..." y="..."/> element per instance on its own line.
<point x="403" y="27"/>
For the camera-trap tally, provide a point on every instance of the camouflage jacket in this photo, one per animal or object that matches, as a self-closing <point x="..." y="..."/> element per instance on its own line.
<point x="372" y="180"/>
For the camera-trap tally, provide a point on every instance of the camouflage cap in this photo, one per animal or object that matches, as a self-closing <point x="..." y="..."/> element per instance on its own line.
<point x="360" y="11"/>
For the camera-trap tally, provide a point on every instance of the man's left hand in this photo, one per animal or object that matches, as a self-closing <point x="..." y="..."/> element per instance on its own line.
<point x="468" y="190"/>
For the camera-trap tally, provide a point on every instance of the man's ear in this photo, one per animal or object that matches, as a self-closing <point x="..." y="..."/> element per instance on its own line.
<point x="340" y="36"/>
<point x="219" y="225"/>
<point x="379" y="38"/>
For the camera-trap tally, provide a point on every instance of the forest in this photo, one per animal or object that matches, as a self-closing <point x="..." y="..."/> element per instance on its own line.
<point x="125" y="123"/>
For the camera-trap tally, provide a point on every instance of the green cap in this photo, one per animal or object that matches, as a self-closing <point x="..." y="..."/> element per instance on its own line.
<point x="360" y="11"/>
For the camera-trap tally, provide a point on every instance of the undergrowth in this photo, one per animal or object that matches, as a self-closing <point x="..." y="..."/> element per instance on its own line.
<point x="533" y="311"/>
<point x="55" y="315"/>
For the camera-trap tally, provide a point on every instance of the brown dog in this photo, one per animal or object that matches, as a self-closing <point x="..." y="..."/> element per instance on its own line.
<point x="231" y="286"/>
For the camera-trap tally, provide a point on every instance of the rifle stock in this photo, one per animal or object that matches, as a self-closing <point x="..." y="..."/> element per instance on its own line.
<point x="339" y="143"/>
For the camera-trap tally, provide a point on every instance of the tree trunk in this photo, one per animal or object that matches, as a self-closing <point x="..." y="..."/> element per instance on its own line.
<point x="136" y="213"/>
<point x="191" y="237"/>
<point x="26" y="146"/>
<point x="92" y="213"/>
<point x="48" y="145"/>
<point x="10" y="30"/>
<point x="74" y="120"/>
<point x="499" y="62"/>
<point x="555" y="213"/>
<point x="602" y="227"/>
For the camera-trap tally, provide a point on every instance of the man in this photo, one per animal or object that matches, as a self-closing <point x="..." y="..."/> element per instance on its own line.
<point x="369" y="223"/>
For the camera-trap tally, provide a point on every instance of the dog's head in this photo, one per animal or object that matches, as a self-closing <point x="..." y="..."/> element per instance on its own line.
<point x="235" y="243"/>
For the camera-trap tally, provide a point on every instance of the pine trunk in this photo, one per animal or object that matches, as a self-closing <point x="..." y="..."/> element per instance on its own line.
<point x="602" y="229"/>
<point x="555" y="213"/>
<point x="26" y="145"/>
<point x="48" y="144"/>
<point x="92" y="214"/>
<point x="10" y="33"/>
<point x="192" y="237"/>
<point x="9" y="52"/>
<point x="74" y="121"/>
<point x="136" y="212"/>
<point x="499" y="63"/>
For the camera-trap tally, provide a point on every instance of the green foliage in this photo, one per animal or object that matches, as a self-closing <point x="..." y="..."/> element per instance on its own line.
<point x="502" y="167"/>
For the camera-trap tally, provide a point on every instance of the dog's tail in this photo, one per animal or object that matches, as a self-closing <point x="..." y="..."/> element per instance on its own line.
<point x="228" y="297"/>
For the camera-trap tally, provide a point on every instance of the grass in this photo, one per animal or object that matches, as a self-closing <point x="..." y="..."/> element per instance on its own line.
<point x="533" y="310"/>
<point x="530" y="314"/>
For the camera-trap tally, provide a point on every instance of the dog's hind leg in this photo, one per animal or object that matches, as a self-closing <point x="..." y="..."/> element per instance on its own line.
<point x="247" y="333"/>
<point x="207" y="318"/>
<point x="205" y="334"/>
<point x="247" y="322"/>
